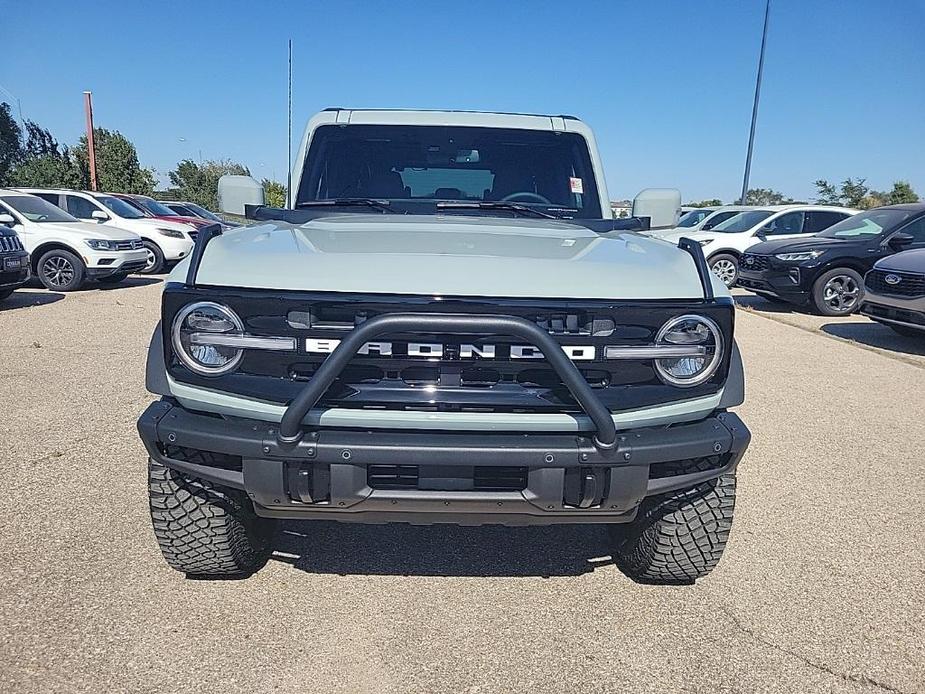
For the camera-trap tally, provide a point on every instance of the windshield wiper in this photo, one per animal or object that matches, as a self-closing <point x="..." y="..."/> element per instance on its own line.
<point x="483" y="205"/>
<point x="383" y="205"/>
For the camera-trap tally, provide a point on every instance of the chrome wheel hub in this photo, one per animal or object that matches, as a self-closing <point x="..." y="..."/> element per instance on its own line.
<point x="841" y="293"/>
<point x="726" y="270"/>
<point x="58" y="271"/>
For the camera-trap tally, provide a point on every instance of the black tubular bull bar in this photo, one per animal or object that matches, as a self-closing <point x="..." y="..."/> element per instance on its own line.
<point x="290" y="428"/>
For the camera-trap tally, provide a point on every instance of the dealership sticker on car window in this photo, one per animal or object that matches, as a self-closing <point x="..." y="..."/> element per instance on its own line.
<point x="576" y="186"/>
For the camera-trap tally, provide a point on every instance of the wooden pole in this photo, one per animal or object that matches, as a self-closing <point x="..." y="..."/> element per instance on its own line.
<point x="91" y="145"/>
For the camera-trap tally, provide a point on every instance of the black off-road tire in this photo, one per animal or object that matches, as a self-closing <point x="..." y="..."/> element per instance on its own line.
<point x="205" y="530"/>
<point x="677" y="537"/>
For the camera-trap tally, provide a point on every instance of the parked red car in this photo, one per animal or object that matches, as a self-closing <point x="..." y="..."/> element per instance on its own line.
<point x="153" y="208"/>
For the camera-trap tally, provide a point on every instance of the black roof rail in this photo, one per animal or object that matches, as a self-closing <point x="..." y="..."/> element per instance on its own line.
<point x="205" y="235"/>
<point x="703" y="270"/>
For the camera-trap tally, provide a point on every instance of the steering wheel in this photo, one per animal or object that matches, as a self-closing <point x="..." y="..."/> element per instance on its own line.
<point x="526" y="196"/>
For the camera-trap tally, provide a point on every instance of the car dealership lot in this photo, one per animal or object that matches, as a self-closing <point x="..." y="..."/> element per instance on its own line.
<point x="820" y="589"/>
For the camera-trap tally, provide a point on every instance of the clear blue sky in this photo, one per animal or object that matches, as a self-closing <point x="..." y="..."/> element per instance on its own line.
<point x="666" y="85"/>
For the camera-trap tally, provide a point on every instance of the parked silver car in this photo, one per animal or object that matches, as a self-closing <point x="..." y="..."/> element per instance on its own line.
<point x="895" y="292"/>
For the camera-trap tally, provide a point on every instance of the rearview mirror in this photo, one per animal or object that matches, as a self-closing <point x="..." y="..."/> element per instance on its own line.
<point x="899" y="241"/>
<point x="234" y="192"/>
<point x="661" y="205"/>
<point x="7" y="219"/>
<point x="99" y="215"/>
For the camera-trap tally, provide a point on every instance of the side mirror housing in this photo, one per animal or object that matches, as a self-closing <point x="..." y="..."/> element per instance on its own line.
<point x="234" y="192"/>
<point x="7" y="219"/>
<point x="99" y="215"/>
<point x="899" y="241"/>
<point x="661" y="205"/>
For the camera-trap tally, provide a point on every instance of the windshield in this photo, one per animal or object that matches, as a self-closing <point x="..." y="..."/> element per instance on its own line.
<point x="154" y="207"/>
<point x="692" y="218"/>
<point x="202" y="212"/>
<point x="37" y="210"/>
<point x="870" y="223"/>
<point x="121" y="208"/>
<point x="551" y="171"/>
<point x="742" y="221"/>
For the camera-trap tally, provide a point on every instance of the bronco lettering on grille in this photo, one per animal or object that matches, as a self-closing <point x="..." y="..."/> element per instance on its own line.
<point x="436" y="350"/>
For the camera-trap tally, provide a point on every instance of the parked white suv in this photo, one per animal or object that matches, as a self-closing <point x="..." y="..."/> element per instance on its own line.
<point x="690" y="222"/>
<point x="165" y="242"/>
<point x="65" y="251"/>
<point x="724" y="244"/>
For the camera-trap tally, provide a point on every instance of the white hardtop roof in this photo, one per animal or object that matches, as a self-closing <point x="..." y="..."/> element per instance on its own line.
<point x="527" y="121"/>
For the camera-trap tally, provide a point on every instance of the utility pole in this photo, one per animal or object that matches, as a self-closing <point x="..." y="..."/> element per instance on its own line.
<point x="751" y="134"/>
<point x="91" y="146"/>
<point x="289" y="136"/>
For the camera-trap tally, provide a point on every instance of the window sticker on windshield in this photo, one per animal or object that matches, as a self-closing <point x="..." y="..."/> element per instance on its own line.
<point x="576" y="186"/>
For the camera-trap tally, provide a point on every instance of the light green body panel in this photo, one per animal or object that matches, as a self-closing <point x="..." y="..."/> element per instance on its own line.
<point x="449" y="255"/>
<point x="203" y="400"/>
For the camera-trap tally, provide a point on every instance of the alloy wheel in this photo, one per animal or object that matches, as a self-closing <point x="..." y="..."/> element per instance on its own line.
<point x="150" y="259"/>
<point x="726" y="271"/>
<point x="58" y="270"/>
<point x="841" y="293"/>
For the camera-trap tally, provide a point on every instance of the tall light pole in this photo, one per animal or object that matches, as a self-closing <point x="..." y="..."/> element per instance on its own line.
<point x="751" y="134"/>
<point x="289" y="136"/>
<point x="91" y="144"/>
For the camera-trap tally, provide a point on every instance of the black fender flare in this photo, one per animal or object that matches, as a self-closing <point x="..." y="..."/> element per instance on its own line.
<point x="156" y="367"/>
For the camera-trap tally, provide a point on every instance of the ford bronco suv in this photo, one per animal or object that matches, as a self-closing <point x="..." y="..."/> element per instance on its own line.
<point x="445" y="325"/>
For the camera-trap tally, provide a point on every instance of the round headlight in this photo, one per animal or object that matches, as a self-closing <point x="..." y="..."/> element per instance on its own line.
<point x="195" y="338"/>
<point x="704" y="338"/>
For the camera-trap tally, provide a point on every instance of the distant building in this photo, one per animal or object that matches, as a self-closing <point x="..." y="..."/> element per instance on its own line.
<point x="621" y="208"/>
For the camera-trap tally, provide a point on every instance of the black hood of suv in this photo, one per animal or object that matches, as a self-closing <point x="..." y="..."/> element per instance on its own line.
<point x="813" y="243"/>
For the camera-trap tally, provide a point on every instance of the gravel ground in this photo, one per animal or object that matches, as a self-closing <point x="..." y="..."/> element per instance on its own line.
<point x="821" y="588"/>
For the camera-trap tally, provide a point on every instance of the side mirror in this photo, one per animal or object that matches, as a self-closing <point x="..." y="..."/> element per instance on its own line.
<point x="7" y="219"/>
<point x="234" y="192"/>
<point x="899" y="241"/>
<point x="661" y="205"/>
<point x="99" y="215"/>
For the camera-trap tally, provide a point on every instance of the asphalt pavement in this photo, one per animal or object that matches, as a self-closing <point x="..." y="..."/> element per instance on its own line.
<point x="822" y="588"/>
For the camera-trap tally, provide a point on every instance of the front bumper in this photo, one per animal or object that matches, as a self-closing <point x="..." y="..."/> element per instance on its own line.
<point x="105" y="264"/>
<point x="906" y="312"/>
<point x="14" y="269"/>
<point x="333" y="473"/>
<point x="785" y="280"/>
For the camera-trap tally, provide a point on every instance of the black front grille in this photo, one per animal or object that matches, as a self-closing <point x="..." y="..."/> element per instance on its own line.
<point x="753" y="262"/>
<point x="10" y="243"/>
<point x="462" y="478"/>
<point x="896" y="283"/>
<point x="461" y="376"/>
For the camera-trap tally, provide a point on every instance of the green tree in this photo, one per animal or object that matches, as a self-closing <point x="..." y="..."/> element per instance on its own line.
<point x="852" y="192"/>
<point x="765" y="196"/>
<point x="714" y="202"/>
<point x="45" y="163"/>
<point x="275" y="192"/>
<point x="902" y="192"/>
<point x="117" y="167"/>
<point x="199" y="182"/>
<point x="10" y="143"/>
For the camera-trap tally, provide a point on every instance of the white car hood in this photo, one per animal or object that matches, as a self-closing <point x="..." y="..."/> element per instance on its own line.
<point x="448" y="256"/>
<point x="89" y="230"/>
<point x="159" y="224"/>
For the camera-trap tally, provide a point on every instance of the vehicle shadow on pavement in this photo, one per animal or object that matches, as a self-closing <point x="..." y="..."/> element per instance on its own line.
<point x="21" y="299"/>
<point x="759" y="303"/>
<point x="876" y="335"/>
<point x="127" y="283"/>
<point x="396" y="549"/>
